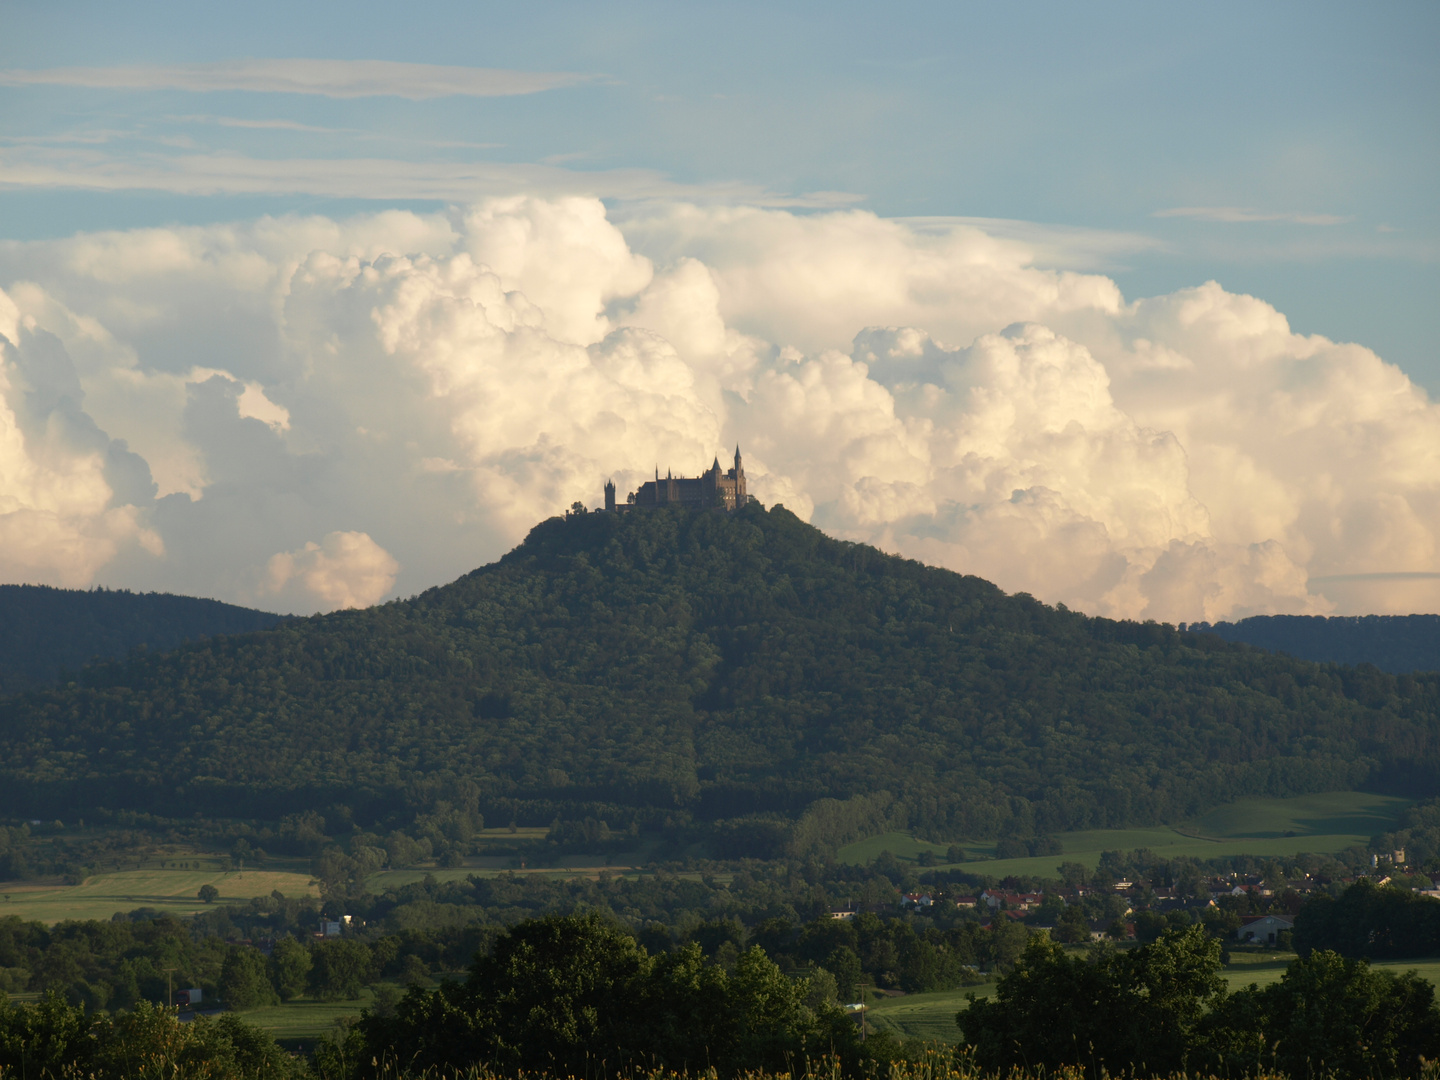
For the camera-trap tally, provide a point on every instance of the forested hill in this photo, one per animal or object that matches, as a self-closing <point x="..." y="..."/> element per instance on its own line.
<point x="45" y="631"/>
<point x="1395" y="643"/>
<point x="669" y="666"/>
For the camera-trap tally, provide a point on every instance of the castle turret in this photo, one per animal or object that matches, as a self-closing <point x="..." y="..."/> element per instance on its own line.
<point x="610" y="495"/>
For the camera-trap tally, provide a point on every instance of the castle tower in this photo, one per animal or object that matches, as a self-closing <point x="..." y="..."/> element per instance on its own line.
<point x="610" y="495"/>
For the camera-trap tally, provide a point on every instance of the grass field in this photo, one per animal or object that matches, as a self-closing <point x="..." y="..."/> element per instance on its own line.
<point x="172" y="891"/>
<point x="1267" y="968"/>
<point x="1262" y="827"/>
<point x="571" y="866"/>
<point x="305" y="1021"/>
<point x="924" y="1016"/>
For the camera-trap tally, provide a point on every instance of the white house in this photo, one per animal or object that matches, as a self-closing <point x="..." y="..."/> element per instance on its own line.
<point x="1262" y="929"/>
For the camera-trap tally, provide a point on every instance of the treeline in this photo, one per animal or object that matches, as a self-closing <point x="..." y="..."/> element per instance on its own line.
<point x="50" y="1040"/>
<point x="115" y="966"/>
<point x="1368" y="920"/>
<point x="45" y="632"/>
<point x="740" y="679"/>
<point x="1163" y="1009"/>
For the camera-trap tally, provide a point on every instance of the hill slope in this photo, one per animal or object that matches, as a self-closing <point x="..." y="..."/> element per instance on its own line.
<point x="665" y="665"/>
<point x="44" y="631"/>
<point x="1394" y="643"/>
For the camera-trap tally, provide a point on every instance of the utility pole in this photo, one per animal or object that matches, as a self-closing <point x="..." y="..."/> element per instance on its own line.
<point x="169" y="989"/>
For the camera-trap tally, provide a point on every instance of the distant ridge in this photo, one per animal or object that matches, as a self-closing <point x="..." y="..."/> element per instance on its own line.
<point x="1398" y="644"/>
<point x="736" y="678"/>
<point x="44" y="631"/>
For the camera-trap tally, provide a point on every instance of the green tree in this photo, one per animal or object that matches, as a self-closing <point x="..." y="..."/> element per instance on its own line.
<point x="290" y="968"/>
<point x="1121" y="1011"/>
<point x="340" y="970"/>
<point x="564" y="993"/>
<point x="1329" y="1016"/>
<point x="1072" y="926"/>
<point x="209" y="893"/>
<point x="245" y="980"/>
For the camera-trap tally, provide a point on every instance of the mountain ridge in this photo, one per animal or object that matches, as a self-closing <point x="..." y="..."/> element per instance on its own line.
<point x="673" y="668"/>
<point x="1399" y="644"/>
<point x="45" y="631"/>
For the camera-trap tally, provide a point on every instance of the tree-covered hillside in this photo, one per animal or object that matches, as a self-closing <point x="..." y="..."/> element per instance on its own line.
<point x="45" y="631"/>
<point x="1394" y="643"/>
<point x="664" y="667"/>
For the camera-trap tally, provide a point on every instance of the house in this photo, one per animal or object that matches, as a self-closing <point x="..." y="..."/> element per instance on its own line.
<point x="842" y="914"/>
<point x="1262" y="929"/>
<point x="916" y="900"/>
<point x="1013" y="901"/>
<point x="965" y="901"/>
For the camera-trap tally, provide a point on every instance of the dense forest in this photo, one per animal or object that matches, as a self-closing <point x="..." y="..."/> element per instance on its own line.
<point x="742" y="674"/>
<point x="1395" y="643"/>
<point x="45" y="632"/>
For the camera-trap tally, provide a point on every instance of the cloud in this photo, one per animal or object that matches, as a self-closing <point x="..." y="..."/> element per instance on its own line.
<point x="345" y="570"/>
<point x="194" y="407"/>
<point x="43" y="166"/>
<point x="328" y="78"/>
<point x="1246" y="215"/>
<point x="1068" y="246"/>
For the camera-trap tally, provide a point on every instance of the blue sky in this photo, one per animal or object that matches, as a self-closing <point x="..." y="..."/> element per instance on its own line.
<point x="1294" y="147"/>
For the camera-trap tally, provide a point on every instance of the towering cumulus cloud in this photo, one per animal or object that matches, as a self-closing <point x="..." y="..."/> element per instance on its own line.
<point x="308" y="414"/>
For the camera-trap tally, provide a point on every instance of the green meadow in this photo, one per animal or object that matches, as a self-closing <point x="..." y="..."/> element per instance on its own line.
<point x="173" y="891"/>
<point x="306" y="1021"/>
<point x="1321" y="824"/>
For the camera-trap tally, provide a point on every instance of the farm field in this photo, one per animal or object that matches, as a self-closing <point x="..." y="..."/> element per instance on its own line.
<point x="570" y="867"/>
<point x="1325" y="823"/>
<point x="305" y="1021"/>
<point x="171" y="891"/>
<point x="925" y="1016"/>
<point x="1265" y="970"/>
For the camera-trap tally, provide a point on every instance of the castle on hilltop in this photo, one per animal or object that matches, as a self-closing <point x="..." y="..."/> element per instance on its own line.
<point x="712" y="489"/>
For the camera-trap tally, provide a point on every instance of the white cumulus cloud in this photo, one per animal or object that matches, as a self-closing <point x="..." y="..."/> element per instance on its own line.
<point x="190" y="408"/>
<point x="345" y="570"/>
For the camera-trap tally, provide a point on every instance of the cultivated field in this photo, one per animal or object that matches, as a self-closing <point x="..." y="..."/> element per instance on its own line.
<point x="924" y="1016"/>
<point x="306" y="1021"/>
<point x="1262" y="827"/>
<point x="171" y="891"/>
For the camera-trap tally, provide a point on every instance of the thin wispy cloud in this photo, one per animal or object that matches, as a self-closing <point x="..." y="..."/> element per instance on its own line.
<point x="1393" y="575"/>
<point x="364" y="178"/>
<point x="1073" y="247"/>
<point x="1247" y="215"/>
<point x="327" y="78"/>
<point x="262" y="125"/>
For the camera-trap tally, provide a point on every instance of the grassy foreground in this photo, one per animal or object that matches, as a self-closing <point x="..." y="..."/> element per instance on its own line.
<point x="1321" y="824"/>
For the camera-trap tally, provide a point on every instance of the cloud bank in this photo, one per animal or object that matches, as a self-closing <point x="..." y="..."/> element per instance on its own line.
<point x="304" y="414"/>
<point x="327" y="78"/>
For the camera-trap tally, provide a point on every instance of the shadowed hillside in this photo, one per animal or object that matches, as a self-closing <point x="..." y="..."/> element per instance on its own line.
<point x="665" y="667"/>
<point x="44" y="631"/>
<point x="1394" y="643"/>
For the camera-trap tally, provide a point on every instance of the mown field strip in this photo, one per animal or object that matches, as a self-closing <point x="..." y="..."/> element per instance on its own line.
<point x="172" y="891"/>
<point x="1280" y="828"/>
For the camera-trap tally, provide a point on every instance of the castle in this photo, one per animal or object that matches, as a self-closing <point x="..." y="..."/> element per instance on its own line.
<point x="711" y="489"/>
